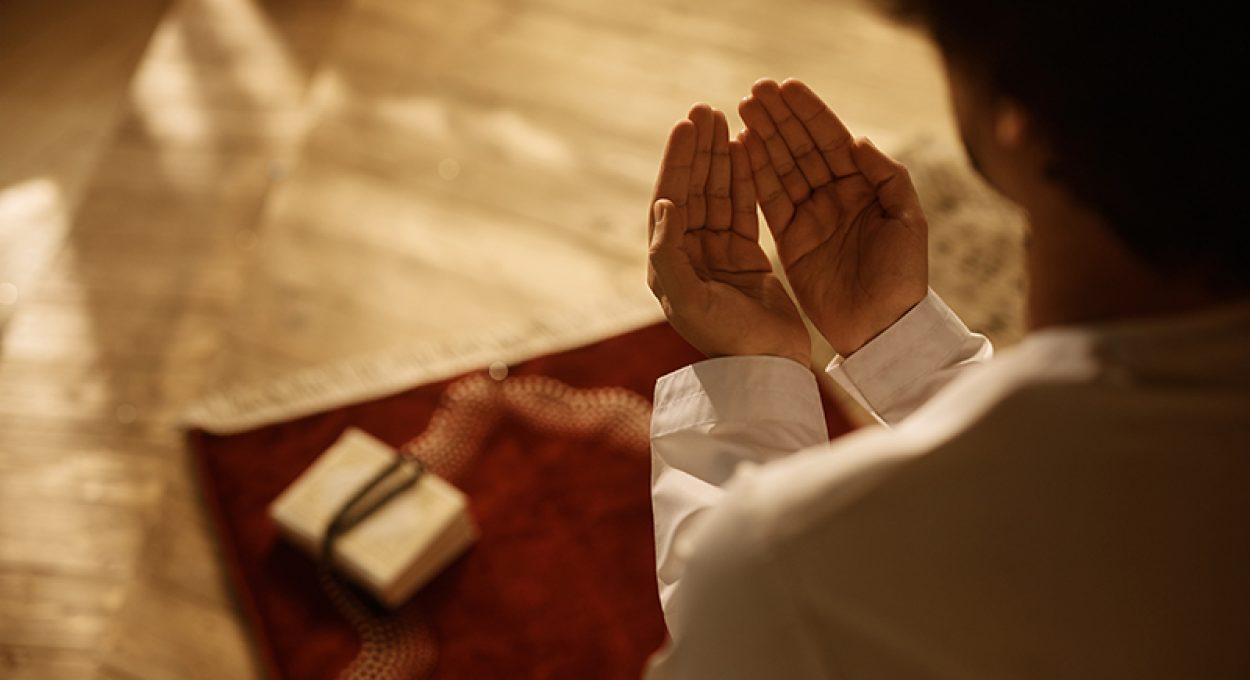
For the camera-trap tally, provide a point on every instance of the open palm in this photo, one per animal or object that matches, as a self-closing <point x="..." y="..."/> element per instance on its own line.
<point x="707" y="269"/>
<point x="849" y="229"/>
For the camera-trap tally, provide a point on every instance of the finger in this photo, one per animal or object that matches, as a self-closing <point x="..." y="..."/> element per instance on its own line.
<point x="719" y="207"/>
<point x="827" y="131"/>
<point x="745" y="216"/>
<point x="673" y="182"/>
<point x="796" y="137"/>
<point x="669" y="262"/>
<point x="704" y="122"/>
<point x="772" y="197"/>
<point x="889" y="178"/>
<point x="761" y="124"/>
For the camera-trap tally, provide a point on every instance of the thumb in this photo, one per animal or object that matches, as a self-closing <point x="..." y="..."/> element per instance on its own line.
<point x="890" y="178"/>
<point x="670" y="226"/>
<point x="668" y="259"/>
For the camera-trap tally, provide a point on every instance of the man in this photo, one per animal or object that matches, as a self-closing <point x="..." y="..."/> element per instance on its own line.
<point x="1076" y="507"/>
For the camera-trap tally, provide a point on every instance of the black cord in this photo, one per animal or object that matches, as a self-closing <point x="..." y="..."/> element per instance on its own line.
<point x="349" y="516"/>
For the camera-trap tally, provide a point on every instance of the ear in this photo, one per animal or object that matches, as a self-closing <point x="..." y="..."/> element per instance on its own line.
<point x="1011" y="124"/>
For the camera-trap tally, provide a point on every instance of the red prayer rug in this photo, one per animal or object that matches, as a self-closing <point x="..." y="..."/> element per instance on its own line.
<point x="554" y="459"/>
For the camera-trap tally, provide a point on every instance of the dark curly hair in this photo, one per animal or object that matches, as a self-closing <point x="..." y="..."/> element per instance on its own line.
<point x="1140" y="103"/>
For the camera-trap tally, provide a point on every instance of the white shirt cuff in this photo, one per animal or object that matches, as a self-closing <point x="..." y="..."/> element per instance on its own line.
<point x="926" y="340"/>
<point x="736" y="390"/>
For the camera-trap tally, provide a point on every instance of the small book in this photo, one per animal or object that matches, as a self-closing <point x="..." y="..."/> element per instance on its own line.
<point x="397" y="548"/>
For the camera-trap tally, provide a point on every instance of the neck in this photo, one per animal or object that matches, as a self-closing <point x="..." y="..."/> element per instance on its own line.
<point x="1079" y="272"/>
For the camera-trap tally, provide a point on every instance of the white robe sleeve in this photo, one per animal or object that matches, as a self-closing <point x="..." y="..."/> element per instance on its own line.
<point x="735" y="617"/>
<point x="715" y="417"/>
<point x="708" y="419"/>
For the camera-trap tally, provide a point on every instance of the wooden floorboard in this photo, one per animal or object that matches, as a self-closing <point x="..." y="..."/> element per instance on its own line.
<point x="105" y="564"/>
<point x="66" y="67"/>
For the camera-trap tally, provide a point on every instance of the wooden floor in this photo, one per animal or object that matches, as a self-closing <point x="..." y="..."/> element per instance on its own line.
<point x="205" y="192"/>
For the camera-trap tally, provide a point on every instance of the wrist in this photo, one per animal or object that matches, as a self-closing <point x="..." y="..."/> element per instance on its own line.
<point x="848" y="338"/>
<point x="802" y="358"/>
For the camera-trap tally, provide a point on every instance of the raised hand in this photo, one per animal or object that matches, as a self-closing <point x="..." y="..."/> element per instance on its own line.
<point x="706" y="267"/>
<point x="848" y="225"/>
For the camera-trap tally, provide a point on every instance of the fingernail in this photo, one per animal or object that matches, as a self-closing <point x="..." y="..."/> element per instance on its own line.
<point x="658" y="211"/>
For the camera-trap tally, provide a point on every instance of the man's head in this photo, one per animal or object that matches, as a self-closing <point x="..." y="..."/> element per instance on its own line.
<point x="1127" y="110"/>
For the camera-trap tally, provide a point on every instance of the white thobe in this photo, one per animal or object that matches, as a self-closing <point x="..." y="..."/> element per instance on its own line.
<point x="1077" y="507"/>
